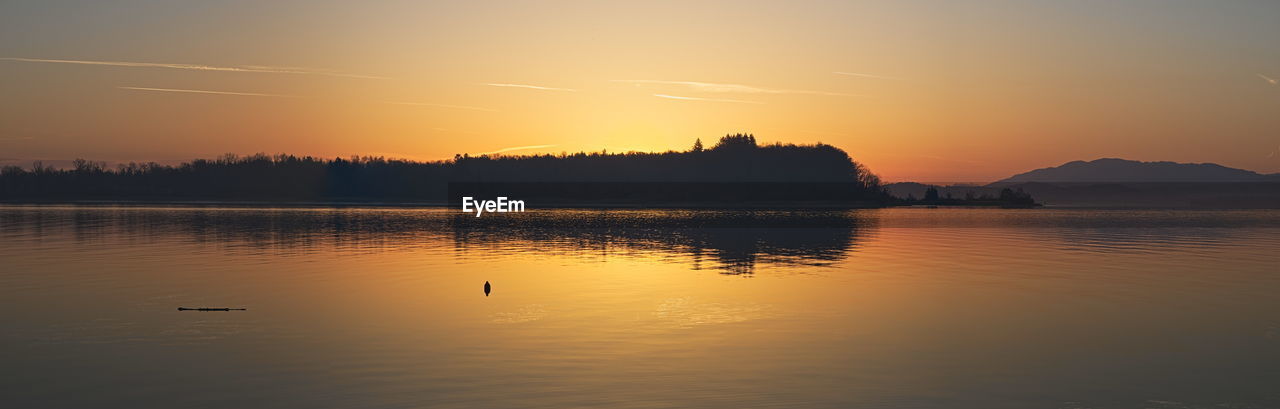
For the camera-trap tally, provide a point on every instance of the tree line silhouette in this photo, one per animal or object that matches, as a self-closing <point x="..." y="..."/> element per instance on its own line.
<point x="735" y="158"/>
<point x="1008" y="197"/>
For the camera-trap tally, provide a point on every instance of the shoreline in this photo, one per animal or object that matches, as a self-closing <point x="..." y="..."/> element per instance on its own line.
<point x="436" y="204"/>
<point x="601" y="206"/>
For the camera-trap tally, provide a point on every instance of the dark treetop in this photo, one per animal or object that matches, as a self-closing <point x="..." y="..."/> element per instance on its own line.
<point x="734" y="159"/>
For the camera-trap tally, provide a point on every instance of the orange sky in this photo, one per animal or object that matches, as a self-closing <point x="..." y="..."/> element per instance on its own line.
<point x="925" y="91"/>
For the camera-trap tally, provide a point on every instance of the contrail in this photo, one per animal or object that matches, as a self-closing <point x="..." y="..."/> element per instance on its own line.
<point x="198" y="67"/>
<point x="537" y="87"/>
<point x="1269" y="79"/>
<point x="738" y="88"/>
<point x="856" y="74"/>
<point x="199" y="91"/>
<point x="705" y="99"/>
<point x="516" y="148"/>
<point x="441" y="106"/>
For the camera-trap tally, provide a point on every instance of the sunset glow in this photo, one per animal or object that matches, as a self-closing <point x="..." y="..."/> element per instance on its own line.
<point x="921" y="91"/>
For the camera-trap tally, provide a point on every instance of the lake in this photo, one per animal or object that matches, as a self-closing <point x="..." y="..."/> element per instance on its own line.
<point x="385" y="308"/>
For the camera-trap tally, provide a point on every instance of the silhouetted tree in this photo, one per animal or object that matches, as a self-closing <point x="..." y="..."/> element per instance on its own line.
<point x="931" y="194"/>
<point x="1016" y="197"/>
<point x="736" y="141"/>
<point x="736" y="158"/>
<point x="697" y="145"/>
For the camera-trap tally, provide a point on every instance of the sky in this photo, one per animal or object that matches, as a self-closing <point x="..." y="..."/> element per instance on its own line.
<point x="923" y="91"/>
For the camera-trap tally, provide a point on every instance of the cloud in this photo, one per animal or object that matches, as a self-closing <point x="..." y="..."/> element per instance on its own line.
<point x="200" y="67"/>
<point x="438" y="129"/>
<point x="441" y="106"/>
<point x="198" y="91"/>
<point x="705" y="99"/>
<point x="956" y="160"/>
<point x="858" y="74"/>
<point x="1269" y="79"/>
<point x="537" y="87"/>
<point x="735" y="88"/>
<point x="516" y="148"/>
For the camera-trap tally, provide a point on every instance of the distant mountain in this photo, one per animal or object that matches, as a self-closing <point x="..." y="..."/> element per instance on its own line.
<point x="1207" y="195"/>
<point x="1121" y="170"/>
<point x="1127" y="183"/>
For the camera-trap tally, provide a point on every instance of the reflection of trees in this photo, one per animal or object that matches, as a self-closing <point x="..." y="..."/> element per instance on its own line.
<point x="256" y="230"/>
<point x="731" y="250"/>
<point x="733" y="242"/>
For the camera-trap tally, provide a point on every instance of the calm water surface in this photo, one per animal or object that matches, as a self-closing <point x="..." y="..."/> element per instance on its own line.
<point x="384" y="308"/>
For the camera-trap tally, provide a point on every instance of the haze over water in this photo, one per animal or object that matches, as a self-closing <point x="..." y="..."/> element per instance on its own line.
<point x="384" y="307"/>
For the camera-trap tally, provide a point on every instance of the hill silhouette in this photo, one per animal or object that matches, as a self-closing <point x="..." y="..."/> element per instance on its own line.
<point x="1121" y="170"/>
<point x="735" y="164"/>
<point x="1206" y="195"/>
<point x="1125" y="183"/>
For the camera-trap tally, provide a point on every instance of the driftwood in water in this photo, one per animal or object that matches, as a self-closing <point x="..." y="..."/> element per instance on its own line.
<point x="211" y="309"/>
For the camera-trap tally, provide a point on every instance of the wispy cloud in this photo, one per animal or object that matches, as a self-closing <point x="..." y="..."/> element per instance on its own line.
<point x="200" y="67"/>
<point x="200" y="91"/>
<point x="734" y="88"/>
<point x="438" y="129"/>
<point x="736" y="101"/>
<point x="537" y="87"/>
<point x="1270" y="80"/>
<point x="956" y="160"/>
<point x="858" y="74"/>
<point x="441" y="106"/>
<point x="516" y="148"/>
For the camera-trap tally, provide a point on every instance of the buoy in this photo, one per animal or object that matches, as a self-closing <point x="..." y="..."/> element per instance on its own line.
<point x="486" y="288"/>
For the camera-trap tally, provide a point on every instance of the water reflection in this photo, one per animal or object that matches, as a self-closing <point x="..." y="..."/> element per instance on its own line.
<point x="729" y="242"/>
<point x="380" y="308"/>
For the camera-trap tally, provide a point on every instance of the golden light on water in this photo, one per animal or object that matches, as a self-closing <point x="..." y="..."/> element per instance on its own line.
<point x="384" y="307"/>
